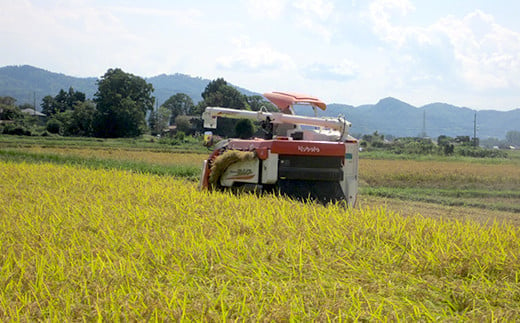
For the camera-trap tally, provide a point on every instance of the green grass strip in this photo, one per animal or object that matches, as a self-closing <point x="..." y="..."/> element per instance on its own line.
<point x="8" y="141"/>
<point x="188" y="172"/>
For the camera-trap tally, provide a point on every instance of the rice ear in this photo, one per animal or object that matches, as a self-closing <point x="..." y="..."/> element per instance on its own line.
<point x="222" y="162"/>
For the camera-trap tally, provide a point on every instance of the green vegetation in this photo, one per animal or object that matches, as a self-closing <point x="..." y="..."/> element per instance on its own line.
<point x="120" y="109"/>
<point x="445" y="146"/>
<point x="122" y="101"/>
<point x="145" y="143"/>
<point x="79" y="244"/>
<point x="188" y="172"/>
<point x="62" y="102"/>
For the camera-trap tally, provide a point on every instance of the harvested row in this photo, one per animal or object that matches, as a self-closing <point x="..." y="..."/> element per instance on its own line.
<point x="83" y="244"/>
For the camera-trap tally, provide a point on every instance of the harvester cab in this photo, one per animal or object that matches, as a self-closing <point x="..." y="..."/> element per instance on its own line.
<point x="299" y="156"/>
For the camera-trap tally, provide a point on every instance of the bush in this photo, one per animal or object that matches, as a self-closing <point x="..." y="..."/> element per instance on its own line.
<point x="183" y="124"/>
<point x="469" y="151"/>
<point x="180" y="136"/>
<point x="244" y="129"/>
<point x="15" y="129"/>
<point x="54" y="126"/>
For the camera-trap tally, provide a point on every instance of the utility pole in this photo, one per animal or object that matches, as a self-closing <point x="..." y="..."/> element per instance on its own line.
<point x="424" y="124"/>
<point x="475" y="130"/>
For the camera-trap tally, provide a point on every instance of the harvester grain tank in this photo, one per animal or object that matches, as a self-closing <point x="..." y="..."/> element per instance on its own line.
<point x="299" y="156"/>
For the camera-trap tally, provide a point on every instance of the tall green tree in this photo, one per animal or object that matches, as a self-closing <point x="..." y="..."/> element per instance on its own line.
<point x="218" y="93"/>
<point x="48" y="105"/>
<point x="179" y="104"/>
<point x="122" y="101"/>
<point x="82" y="119"/>
<point x="7" y="100"/>
<point x="8" y="111"/>
<point x="62" y="102"/>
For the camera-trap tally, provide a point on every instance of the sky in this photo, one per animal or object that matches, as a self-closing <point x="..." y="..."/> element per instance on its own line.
<point x="461" y="52"/>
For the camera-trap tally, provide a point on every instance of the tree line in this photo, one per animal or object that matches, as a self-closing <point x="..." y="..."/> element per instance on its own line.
<point x="123" y="106"/>
<point x="444" y="145"/>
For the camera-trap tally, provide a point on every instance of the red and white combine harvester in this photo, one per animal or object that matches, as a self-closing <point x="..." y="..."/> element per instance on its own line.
<point x="302" y="157"/>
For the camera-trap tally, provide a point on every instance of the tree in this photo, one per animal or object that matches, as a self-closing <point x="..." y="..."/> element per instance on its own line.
<point x="7" y="100"/>
<point x="445" y="145"/>
<point x="82" y="120"/>
<point x="244" y="129"/>
<point x="122" y="103"/>
<point x="444" y="140"/>
<point x="9" y="112"/>
<point x="513" y="138"/>
<point x="62" y="102"/>
<point x="219" y="94"/>
<point x="48" y="105"/>
<point x="179" y="104"/>
<point x="183" y="124"/>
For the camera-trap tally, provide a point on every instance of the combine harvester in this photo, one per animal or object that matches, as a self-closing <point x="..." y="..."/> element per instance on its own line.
<point x="301" y="157"/>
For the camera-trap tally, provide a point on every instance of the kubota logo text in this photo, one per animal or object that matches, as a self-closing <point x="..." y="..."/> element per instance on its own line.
<point x="308" y="149"/>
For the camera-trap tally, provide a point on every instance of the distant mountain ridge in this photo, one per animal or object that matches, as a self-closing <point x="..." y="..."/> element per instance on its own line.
<point x="26" y="83"/>
<point x="389" y="116"/>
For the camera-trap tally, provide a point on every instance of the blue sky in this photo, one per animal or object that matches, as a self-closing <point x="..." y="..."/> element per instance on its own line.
<point x="465" y="53"/>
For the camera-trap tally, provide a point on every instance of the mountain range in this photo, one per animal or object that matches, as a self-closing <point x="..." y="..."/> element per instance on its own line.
<point x="390" y="116"/>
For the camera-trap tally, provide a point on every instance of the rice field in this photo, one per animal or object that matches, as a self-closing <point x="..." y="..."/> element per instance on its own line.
<point x="151" y="157"/>
<point x="80" y="244"/>
<point x="487" y="185"/>
<point x="440" y="174"/>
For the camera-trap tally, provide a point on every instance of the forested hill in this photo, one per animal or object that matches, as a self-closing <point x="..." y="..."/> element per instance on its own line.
<point x="389" y="116"/>
<point x="27" y="83"/>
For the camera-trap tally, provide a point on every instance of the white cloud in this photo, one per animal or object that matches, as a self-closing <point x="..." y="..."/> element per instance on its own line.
<point x="64" y="36"/>
<point x="489" y="54"/>
<point x="254" y="57"/>
<point x="316" y="16"/>
<point x="474" y="50"/>
<point x="400" y="48"/>
<point x="182" y="16"/>
<point x="344" y="70"/>
<point x="271" y="9"/>
<point x="316" y="8"/>
<point x="381" y="12"/>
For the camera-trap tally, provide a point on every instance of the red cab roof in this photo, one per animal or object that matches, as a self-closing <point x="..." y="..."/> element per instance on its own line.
<point x="283" y="100"/>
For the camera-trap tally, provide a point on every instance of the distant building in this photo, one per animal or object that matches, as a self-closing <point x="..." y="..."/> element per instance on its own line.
<point x="42" y="118"/>
<point x="33" y="112"/>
